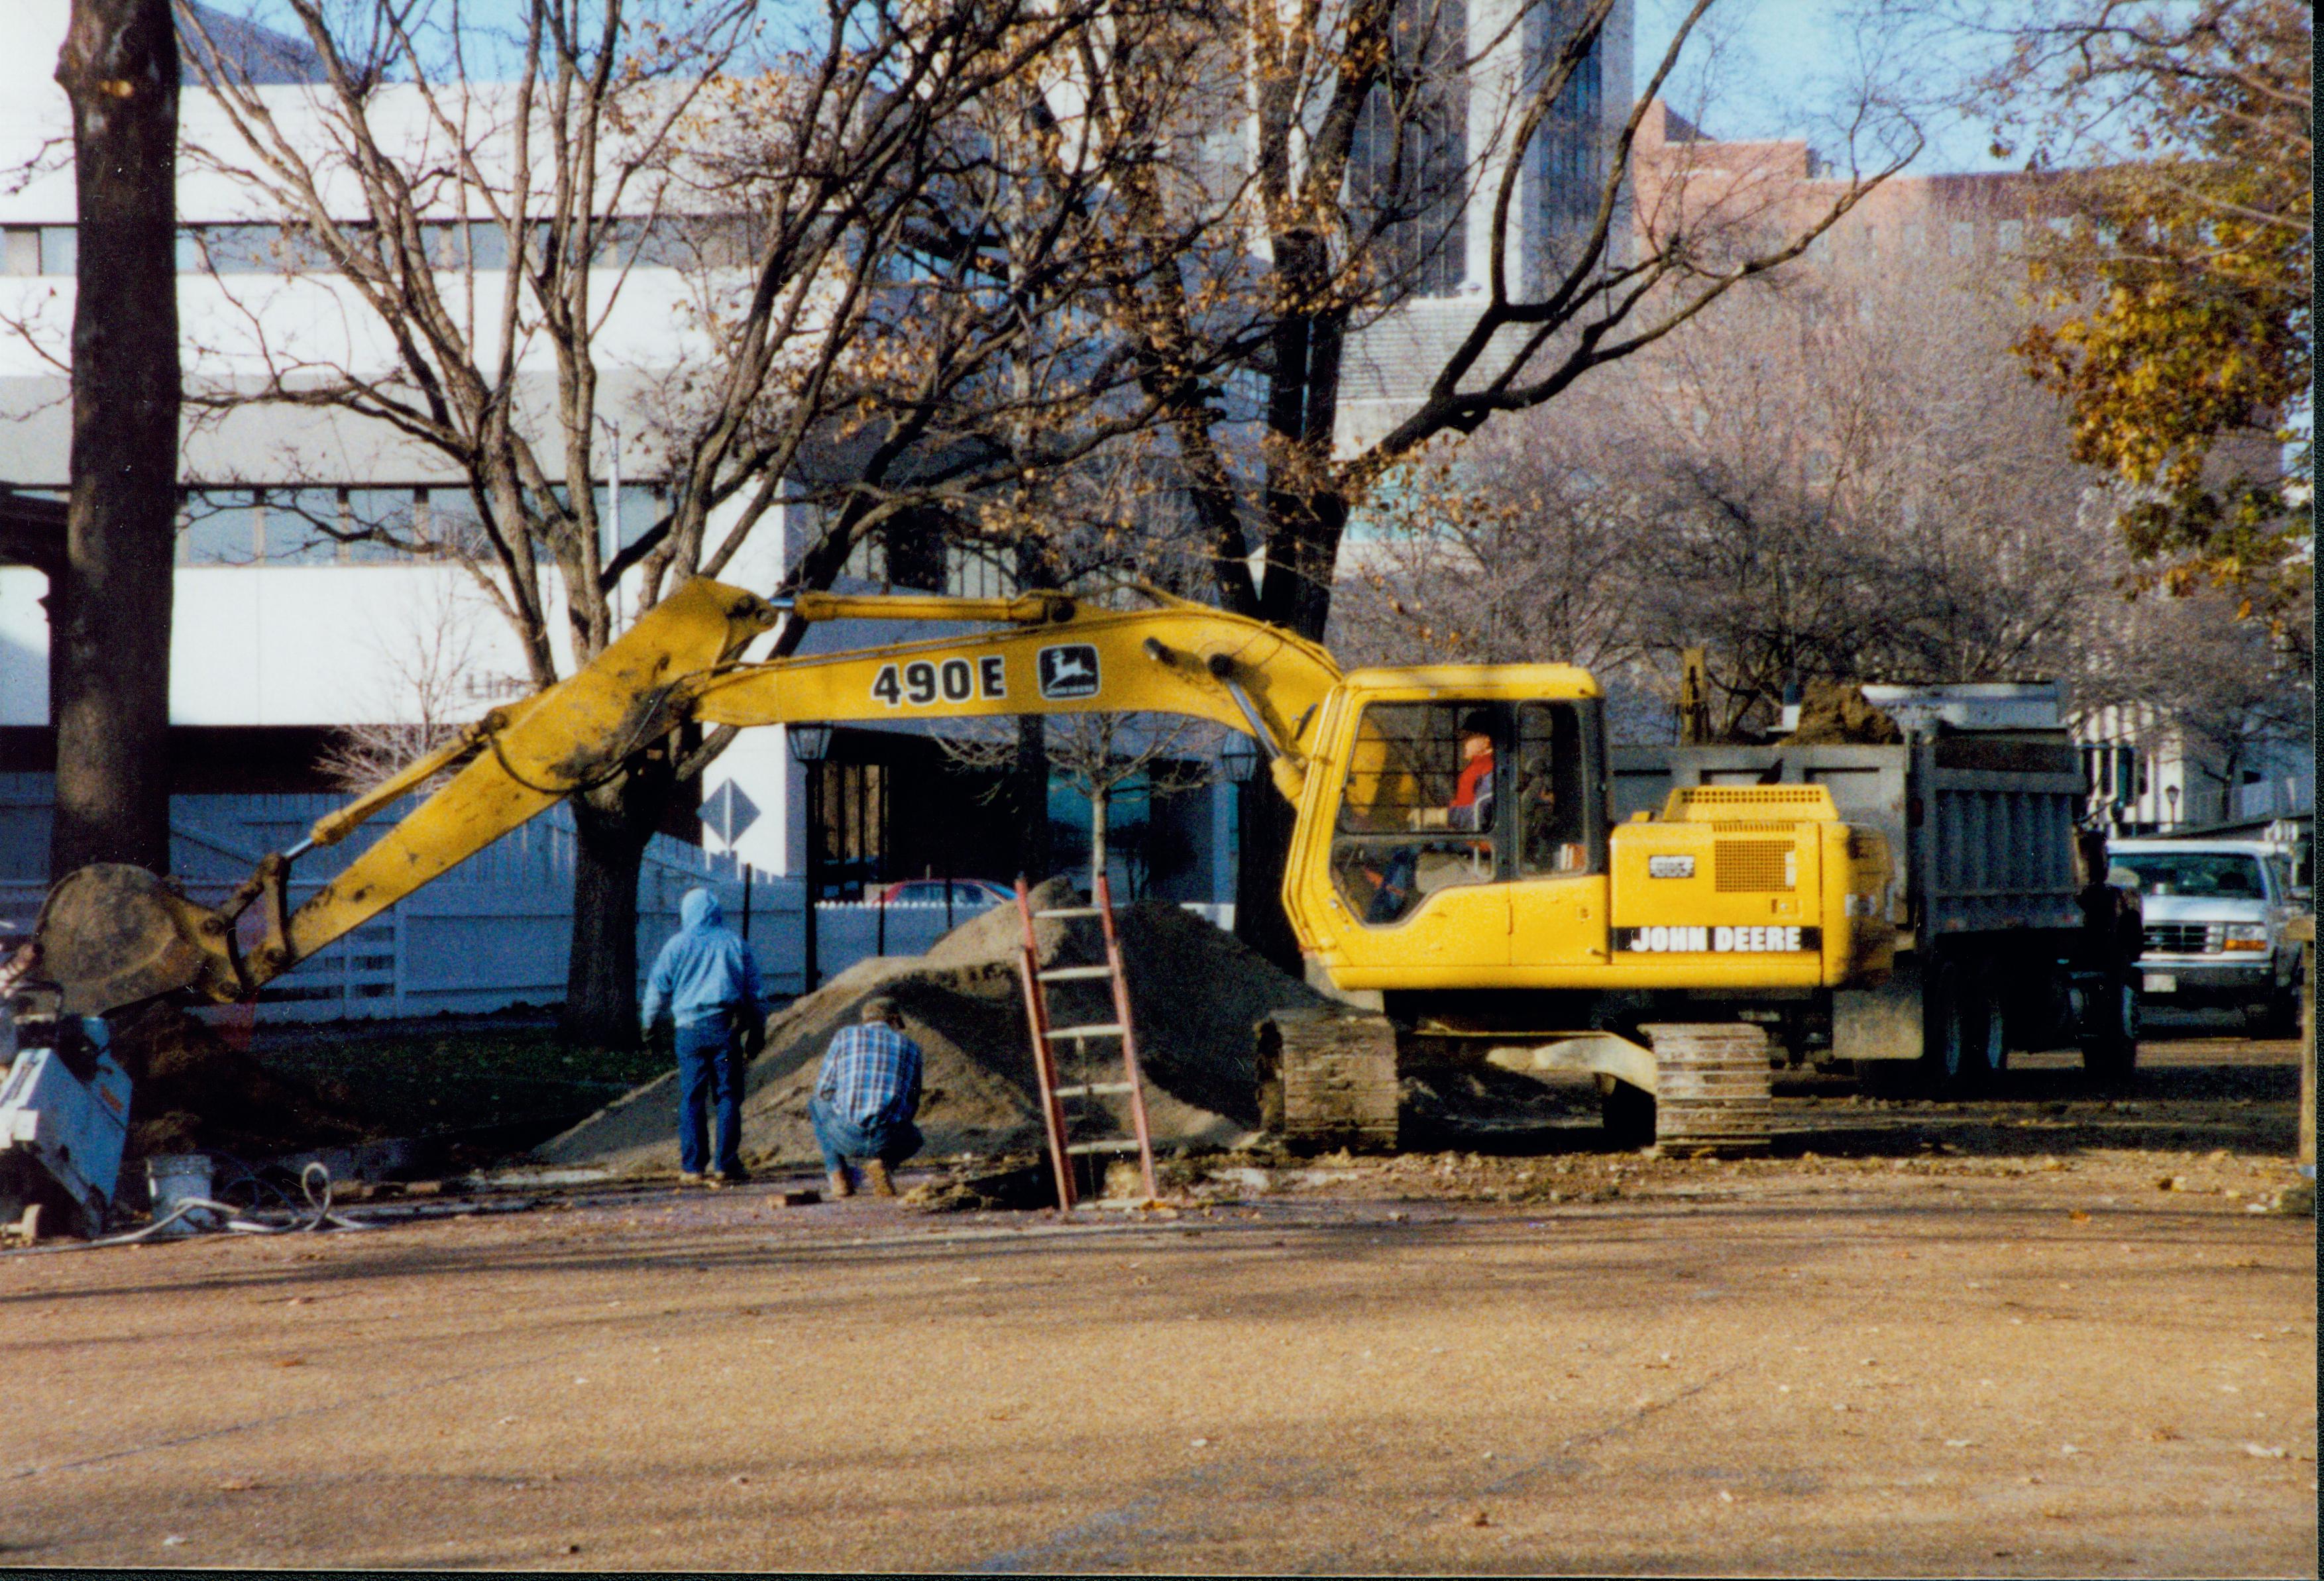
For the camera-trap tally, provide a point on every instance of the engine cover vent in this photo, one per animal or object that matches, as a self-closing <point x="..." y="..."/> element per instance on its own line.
<point x="1753" y="866"/>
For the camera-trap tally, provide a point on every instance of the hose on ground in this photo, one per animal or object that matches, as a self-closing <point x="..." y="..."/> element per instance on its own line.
<point x="315" y="1180"/>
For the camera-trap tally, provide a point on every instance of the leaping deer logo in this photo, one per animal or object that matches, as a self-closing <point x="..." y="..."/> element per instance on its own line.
<point x="1069" y="671"/>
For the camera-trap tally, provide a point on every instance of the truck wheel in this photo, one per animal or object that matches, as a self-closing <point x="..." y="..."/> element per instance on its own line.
<point x="2110" y="1032"/>
<point x="1629" y="1114"/>
<point x="2279" y="1017"/>
<point x="1964" y="1031"/>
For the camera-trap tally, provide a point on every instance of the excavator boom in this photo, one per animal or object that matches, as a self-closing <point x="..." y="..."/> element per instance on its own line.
<point x="111" y="934"/>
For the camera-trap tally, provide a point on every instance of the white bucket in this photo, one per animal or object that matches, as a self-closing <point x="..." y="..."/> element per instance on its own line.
<point x="175" y="1177"/>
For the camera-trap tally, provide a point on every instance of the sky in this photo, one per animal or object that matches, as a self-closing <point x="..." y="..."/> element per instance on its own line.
<point x="1783" y="68"/>
<point x="1773" y="68"/>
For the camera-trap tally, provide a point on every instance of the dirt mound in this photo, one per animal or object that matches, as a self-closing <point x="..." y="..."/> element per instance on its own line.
<point x="1195" y="994"/>
<point x="191" y="1091"/>
<point x="1833" y="713"/>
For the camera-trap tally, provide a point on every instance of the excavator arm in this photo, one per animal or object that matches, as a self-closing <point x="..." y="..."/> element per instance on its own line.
<point x="110" y="934"/>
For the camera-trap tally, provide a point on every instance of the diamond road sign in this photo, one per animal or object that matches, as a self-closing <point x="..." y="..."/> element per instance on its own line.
<point x="728" y="814"/>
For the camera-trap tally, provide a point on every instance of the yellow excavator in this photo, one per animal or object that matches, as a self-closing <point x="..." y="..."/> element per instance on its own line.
<point x="1494" y="913"/>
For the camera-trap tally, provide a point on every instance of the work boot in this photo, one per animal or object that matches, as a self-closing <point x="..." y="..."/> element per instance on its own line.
<point x="731" y="1177"/>
<point x="840" y="1185"/>
<point x="875" y="1171"/>
<point x="690" y="1177"/>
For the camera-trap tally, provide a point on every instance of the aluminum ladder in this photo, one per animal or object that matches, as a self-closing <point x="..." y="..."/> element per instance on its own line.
<point x="1047" y="1038"/>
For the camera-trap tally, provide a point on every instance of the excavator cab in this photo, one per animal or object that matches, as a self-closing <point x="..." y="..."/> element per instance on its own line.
<point x="1465" y="819"/>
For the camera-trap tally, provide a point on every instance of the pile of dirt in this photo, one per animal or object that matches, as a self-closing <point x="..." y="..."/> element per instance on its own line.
<point x="191" y="1091"/>
<point x="1195" y="994"/>
<point x="1834" y="714"/>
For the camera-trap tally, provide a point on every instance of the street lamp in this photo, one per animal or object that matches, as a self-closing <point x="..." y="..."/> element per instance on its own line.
<point x="1240" y="757"/>
<point x="810" y="744"/>
<point x="2171" y="794"/>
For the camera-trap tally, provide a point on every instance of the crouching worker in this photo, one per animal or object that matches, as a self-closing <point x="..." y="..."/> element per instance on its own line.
<point x="707" y="979"/>
<point x="865" y="1099"/>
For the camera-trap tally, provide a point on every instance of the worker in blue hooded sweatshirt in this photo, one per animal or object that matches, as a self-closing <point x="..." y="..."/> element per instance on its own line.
<point x="706" y="977"/>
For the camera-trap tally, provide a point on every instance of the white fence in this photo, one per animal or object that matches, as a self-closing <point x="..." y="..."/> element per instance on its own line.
<point x="490" y="934"/>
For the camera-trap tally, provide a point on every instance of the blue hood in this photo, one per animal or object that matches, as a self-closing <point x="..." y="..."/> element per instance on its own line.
<point x="700" y="909"/>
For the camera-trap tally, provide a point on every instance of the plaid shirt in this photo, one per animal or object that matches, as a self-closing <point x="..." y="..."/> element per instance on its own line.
<point x="871" y="1074"/>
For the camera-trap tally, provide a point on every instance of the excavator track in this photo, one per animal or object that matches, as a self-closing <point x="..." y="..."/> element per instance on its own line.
<point x="1714" y="1087"/>
<point x="1327" y="1077"/>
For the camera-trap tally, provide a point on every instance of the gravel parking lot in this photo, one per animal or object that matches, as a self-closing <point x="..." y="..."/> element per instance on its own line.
<point x="2053" y="1333"/>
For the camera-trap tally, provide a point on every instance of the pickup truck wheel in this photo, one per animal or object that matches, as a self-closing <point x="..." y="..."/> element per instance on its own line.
<point x="2110" y="1031"/>
<point x="2278" y="1017"/>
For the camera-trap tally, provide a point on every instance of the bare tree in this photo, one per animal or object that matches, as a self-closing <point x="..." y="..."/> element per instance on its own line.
<point x="109" y="611"/>
<point x="430" y="660"/>
<point x="1838" y="477"/>
<point x="1100" y="754"/>
<point x="2230" y="695"/>
<point x="481" y="205"/>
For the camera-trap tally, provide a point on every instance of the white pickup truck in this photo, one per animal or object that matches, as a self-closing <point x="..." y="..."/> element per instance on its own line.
<point x="2214" y="914"/>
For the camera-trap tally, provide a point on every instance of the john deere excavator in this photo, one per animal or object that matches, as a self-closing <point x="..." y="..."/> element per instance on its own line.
<point x="1498" y="917"/>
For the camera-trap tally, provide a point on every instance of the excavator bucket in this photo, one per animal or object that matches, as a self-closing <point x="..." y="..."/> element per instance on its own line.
<point x="111" y="934"/>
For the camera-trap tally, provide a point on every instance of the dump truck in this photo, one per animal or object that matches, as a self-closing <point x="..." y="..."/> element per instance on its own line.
<point x="2008" y="935"/>
<point x="1456" y="876"/>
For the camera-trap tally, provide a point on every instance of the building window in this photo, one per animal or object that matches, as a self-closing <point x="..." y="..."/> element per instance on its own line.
<point x="28" y="250"/>
<point x="669" y="241"/>
<point x="222" y="526"/>
<point x="1914" y="239"/>
<point x="977" y="571"/>
<point x="326" y="525"/>
<point x="1964" y="238"/>
<point x="2009" y="237"/>
<point x="1407" y="164"/>
<point x="1567" y="148"/>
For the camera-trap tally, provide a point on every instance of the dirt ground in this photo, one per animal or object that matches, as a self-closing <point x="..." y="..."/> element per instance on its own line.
<point x="2055" y="1333"/>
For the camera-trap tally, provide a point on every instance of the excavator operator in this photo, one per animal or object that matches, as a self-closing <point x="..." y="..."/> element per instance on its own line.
<point x="1470" y="808"/>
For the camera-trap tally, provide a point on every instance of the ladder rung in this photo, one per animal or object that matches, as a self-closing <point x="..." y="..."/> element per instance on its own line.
<point x="1108" y="1029"/>
<point x="1066" y="911"/>
<point x="1118" y="1145"/>
<point x="1094" y="1090"/>
<point x="1060" y="974"/>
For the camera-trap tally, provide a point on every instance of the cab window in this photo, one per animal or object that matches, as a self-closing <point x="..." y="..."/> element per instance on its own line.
<point x="1420" y="809"/>
<point x="1557" y="828"/>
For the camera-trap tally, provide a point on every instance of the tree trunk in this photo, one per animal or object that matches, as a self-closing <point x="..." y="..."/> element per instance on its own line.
<point x="109" y="633"/>
<point x="1261" y="853"/>
<point x="1098" y="811"/>
<point x="611" y="826"/>
<point x="1307" y="512"/>
<point x="1028" y="792"/>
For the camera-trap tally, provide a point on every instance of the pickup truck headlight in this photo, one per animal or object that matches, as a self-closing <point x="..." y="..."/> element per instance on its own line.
<point x="2245" y="936"/>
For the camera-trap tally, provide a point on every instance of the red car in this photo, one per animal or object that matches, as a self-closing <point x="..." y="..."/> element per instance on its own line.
<point x="967" y="894"/>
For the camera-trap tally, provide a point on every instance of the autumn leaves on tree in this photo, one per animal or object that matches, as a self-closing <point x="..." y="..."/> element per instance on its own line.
<point x="2183" y="340"/>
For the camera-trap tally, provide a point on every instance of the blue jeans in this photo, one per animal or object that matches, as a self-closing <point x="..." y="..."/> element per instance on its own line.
<point x="842" y="1139"/>
<point x="710" y="1059"/>
<point x="1398" y="874"/>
